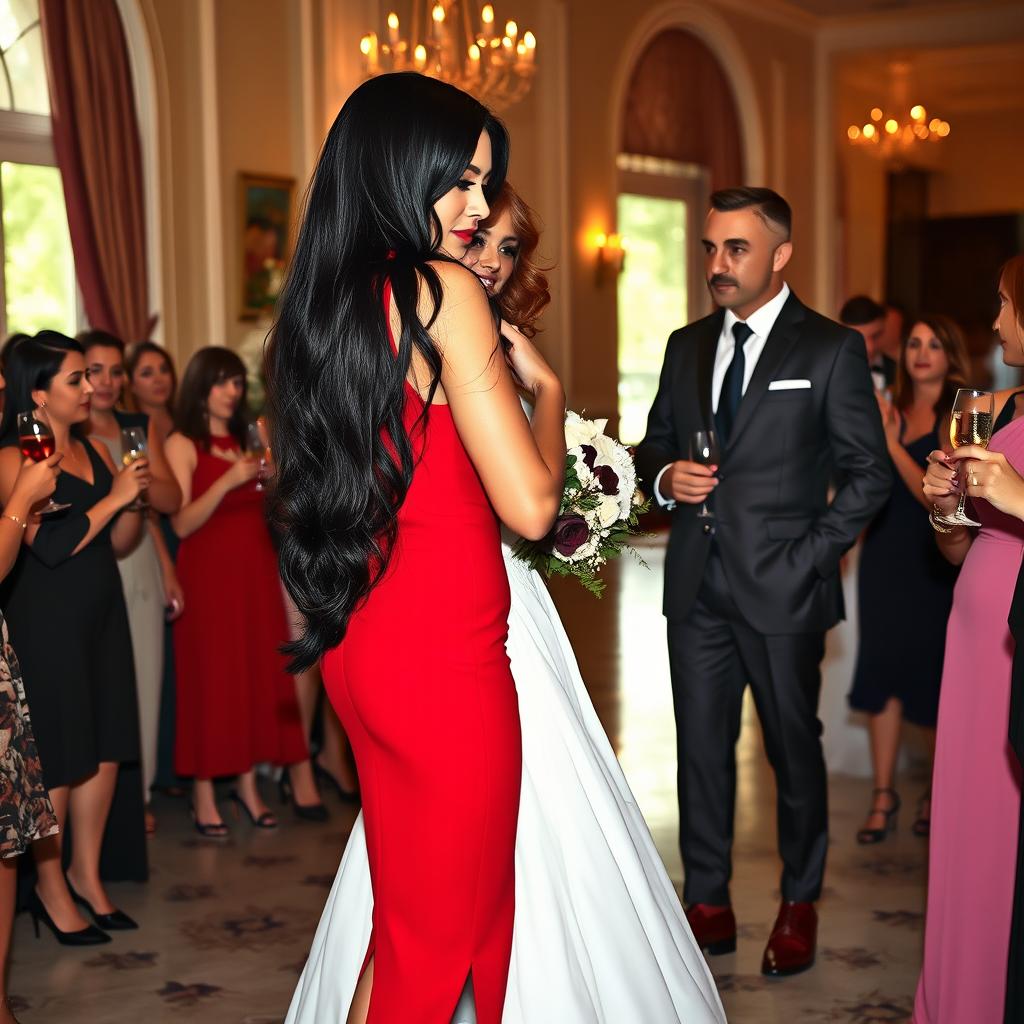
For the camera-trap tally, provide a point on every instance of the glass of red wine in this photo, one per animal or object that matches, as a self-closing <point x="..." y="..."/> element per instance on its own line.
<point x="37" y="443"/>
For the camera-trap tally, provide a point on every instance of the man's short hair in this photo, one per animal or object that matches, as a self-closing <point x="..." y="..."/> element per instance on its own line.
<point x="860" y="310"/>
<point x="769" y="206"/>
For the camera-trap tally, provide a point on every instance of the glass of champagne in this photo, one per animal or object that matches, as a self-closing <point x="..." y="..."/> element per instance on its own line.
<point x="256" y="448"/>
<point x="35" y="438"/>
<point x="134" y="446"/>
<point x="970" y="423"/>
<point x="705" y="452"/>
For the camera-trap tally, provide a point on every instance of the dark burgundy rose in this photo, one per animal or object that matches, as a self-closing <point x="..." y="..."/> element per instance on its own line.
<point x="608" y="479"/>
<point x="570" y="534"/>
<point x="589" y="455"/>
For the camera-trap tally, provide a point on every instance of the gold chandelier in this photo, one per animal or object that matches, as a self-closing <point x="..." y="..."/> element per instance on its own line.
<point x="887" y="134"/>
<point x="446" y="42"/>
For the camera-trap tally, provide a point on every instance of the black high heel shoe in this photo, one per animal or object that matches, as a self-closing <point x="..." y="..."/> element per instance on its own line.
<point x="308" y="812"/>
<point x="265" y="820"/>
<point x="209" y="830"/>
<point x="115" y="921"/>
<point x="90" y="935"/>
<point x="870" y="836"/>
<point x="348" y="796"/>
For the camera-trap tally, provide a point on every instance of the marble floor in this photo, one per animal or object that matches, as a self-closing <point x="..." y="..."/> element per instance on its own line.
<point x="225" y="928"/>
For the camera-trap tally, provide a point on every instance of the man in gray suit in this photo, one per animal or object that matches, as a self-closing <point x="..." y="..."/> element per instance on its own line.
<point x="751" y="591"/>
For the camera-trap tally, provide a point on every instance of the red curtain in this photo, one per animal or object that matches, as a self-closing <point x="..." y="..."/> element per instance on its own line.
<point x="681" y="107"/>
<point x="96" y="139"/>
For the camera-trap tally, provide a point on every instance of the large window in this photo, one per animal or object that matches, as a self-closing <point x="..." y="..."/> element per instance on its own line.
<point x="660" y="204"/>
<point x="37" y="288"/>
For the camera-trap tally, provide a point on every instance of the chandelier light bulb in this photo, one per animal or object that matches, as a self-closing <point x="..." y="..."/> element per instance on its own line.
<point x="869" y="131"/>
<point x="891" y="126"/>
<point x="876" y="114"/>
<point x="468" y="52"/>
<point x="918" y="113"/>
<point x="853" y="132"/>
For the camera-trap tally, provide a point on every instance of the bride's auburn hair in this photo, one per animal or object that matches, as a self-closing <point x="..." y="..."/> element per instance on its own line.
<point x="335" y="388"/>
<point x="526" y="294"/>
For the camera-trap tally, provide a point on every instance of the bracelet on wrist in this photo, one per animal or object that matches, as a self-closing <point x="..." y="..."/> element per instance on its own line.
<point x="936" y="525"/>
<point x="17" y="520"/>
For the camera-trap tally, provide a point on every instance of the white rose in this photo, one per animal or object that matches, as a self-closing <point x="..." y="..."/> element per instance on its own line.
<point x="608" y="512"/>
<point x="586" y="477"/>
<point x="578" y="431"/>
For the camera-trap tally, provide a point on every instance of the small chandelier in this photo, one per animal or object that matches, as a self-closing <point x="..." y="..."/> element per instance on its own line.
<point x="887" y="133"/>
<point x="445" y="43"/>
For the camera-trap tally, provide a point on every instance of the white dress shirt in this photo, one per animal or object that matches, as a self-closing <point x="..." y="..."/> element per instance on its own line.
<point x="760" y="322"/>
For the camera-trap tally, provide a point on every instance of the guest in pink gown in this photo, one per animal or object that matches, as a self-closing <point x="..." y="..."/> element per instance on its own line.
<point x="976" y="786"/>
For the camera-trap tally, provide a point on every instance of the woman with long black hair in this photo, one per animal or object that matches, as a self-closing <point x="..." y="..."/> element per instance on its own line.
<point x="600" y="933"/>
<point x="398" y="435"/>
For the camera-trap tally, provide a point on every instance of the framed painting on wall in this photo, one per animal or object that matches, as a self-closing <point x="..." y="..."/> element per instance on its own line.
<point x="265" y="216"/>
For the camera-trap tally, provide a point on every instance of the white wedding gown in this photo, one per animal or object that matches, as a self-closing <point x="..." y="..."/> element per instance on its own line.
<point x="600" y="936"/>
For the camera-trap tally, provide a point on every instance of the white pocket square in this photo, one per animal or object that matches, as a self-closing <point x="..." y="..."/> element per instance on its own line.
<point x="788" y="385"/>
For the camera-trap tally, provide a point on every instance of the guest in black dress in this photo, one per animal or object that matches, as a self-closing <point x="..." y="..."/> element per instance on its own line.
<point x="905" y="585"/>
<point x="66" y="613"/>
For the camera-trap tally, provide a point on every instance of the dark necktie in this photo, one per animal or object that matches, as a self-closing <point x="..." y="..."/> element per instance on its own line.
<point x="732" y="384"/>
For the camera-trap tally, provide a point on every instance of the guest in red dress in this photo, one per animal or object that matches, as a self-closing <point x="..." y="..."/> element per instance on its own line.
<point x="236" y="702"/>
<point x="398" y="435"/>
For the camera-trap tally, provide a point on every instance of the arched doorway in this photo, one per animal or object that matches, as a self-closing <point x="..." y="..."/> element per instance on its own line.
<point x="680" y="138"/>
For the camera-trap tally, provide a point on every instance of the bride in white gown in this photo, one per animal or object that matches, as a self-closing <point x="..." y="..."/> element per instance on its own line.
<point x="600" y="936"/>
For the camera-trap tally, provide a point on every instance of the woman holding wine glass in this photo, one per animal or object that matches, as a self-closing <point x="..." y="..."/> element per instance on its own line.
<point x="151" y="585"/>
<point x="236" y="705"/>
<point x="902" y="629"/>
<point x="66" y="612"/>
<point x="152" y="383"/>
<point x="976" y="781"/>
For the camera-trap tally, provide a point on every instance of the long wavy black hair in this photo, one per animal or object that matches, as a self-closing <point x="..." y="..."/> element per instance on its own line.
<point x="335" y="389"/>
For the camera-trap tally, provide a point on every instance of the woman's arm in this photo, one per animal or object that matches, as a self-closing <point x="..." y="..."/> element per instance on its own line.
<point x="521" y="463"/>
<point x="164" y="493"/>
<point x="127" y="530"/>
<point x="182" y="457"/>
<point x="34" y="483"/>
<point x="174" y="596"/>
<point x="940" y="490"/>
<point x="907" y="467"/>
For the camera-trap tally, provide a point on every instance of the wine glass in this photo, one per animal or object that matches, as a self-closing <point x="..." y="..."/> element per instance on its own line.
<point x="256" y="448"/>
<point x="37" y="443"/>
<point x="705" y="452"/>
<point x="134" y="446"/>
<point x="970" y="423"/>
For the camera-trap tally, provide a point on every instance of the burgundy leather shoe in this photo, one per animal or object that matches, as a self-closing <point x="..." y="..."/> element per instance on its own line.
<point x="792" y="943"/>
<point x="714" y="927"/>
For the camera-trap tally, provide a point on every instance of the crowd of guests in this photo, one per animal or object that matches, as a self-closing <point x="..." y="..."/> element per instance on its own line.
<point x="144" y="618"/>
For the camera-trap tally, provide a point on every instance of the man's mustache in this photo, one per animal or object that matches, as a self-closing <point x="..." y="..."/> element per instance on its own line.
<point x="717" y="279"/>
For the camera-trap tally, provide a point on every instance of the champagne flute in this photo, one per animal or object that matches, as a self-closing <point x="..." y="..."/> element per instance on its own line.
<point x="37" y="443"/>
<point x="705" y="452"/>
<point x="256" y="449"/>
<point x="970" y="423"/>
<point x="134" y="446"/>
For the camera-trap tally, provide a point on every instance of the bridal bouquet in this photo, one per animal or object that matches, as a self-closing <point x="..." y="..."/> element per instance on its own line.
<point x="600" y="509"/>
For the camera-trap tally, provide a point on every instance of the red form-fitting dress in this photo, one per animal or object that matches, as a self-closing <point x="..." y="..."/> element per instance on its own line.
<point x="422" y="685"/>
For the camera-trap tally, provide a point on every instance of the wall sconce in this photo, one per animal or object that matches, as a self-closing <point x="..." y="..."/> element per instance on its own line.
<point x="611" y="256"/>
